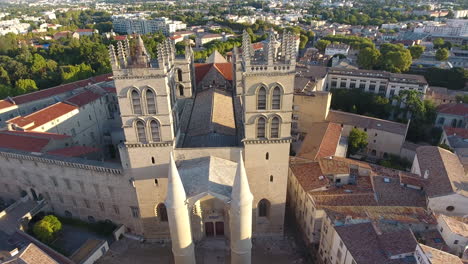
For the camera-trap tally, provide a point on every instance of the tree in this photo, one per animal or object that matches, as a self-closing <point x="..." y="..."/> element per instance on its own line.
<point x="303" y="41"/>
<point x="38" y="64"/>
<point x="25" y="86"/>
<point x="416" y="51"/>
<point x="322" y="44"/>
<point x="445" y="146"/>
<point x="357" y="141"/>
<point x="395" y="58"/>
<point x="438" y="42"/>
<point x="47" y="228"/>
<point x="368" y="58"/>
<point x="442" y="54"/>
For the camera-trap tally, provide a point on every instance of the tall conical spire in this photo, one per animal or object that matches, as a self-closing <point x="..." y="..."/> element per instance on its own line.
<point x="141" y="55"/>
<point x="175" y="189"/>
<point x="121" y="55"/>
<point x="246" y="47"/>
<point x="113" y="57"/>
<point x="241" y="194"/>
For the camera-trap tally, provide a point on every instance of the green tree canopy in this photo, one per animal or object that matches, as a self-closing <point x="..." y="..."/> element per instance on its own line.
<point x="438" y="42"/>
<point x="416" y="51"/>
<point x="442" y="54"/>
<point x="395" y="58"/>
<point x="322" y="44"/>
<point x="368" y="58"/>
<point x="46" y="229"/>
<point x="357" y="141"/>
<point x="25" y="86"/>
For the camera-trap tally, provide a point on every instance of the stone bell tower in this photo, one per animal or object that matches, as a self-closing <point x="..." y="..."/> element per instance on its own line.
<point x="265" y="82"/>
<point x="150" y="93"/>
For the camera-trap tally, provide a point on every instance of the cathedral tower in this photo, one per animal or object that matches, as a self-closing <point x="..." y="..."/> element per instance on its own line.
<point x="151" y="94"/>
<point x="265" y="83"/>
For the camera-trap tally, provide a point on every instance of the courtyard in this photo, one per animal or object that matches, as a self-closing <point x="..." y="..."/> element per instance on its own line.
<point x="210" y="251"/>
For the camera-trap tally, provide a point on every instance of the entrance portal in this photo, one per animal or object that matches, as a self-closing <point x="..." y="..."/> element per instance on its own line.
<point x="209" y="229"/>
<point x="219" y="228"/>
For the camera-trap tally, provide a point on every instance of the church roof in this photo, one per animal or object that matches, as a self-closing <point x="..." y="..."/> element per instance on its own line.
<point x="207" y="175"/>
<point x="216" y="57"/>
<point x="201" y="69"/>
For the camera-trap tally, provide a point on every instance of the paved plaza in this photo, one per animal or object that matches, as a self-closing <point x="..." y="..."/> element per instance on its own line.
<point x="264" y="251"/>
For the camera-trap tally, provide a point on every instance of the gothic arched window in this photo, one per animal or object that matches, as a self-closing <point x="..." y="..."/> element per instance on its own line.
<point x="261" y="122"/>
<point x="276" y="98"/>
<point x="136" y="104"/>
<point x="140" y="129"/>
<point x="181" y="90"/>
<point x="161" y="212"/>
<point x="154" y="127"/>
<point x="263" y="208"/>
<point x="151" y="102"/>
<point x="274" y="127"/>
<point x="261" y="98"/>
<point x="179" y="75"/>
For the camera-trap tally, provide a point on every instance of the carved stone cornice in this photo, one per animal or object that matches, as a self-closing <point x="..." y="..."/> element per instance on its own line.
<point x="149" y="145"/>
<point x="267" y="141"/>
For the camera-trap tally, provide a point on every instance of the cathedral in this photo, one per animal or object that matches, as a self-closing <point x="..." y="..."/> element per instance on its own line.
<point x="214" y="136"/>
<point x="203" y="148"/>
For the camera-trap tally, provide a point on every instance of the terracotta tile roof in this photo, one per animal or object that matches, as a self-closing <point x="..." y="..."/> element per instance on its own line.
<point x="257" y="46"/>
<point x="110" y="89"/>
<point x="120" y="38"/>
<point x="404" y="214"/>
<point x="445" y="172"/>
<point x="33" y="255"/>
<point x="84" y="30"/>
<point x="225" y="69"/>
<point x="207" y="36"/>
<point x="75" y="151"/>
<point x="333" y="166"/>
<point x="83" y="98"/>
<point x="35" y="134"/>
<point x="320" y="142"/>
<point x="456" y="226"/>
<point x="453" y="109"/>
<point x="366" y="122"/>
<point x="344" y="199"/>
<point x="456" y="131"/>
<point x="5" y="104"/>
<point x="368" y="247"/>
<point x="22" y="142"/>
<point x="406" y="178"/>
<point x="201" y="69"/>
<point x="389" y="192"/>
<point x="42" y="116"/>
<point x="439" y="256"/>
<point x="26" y="98"/>
<point x="309" y="176"/>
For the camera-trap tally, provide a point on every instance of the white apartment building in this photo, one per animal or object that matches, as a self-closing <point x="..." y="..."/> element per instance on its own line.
<point x="379" y="82"/>
<point x="334" y="49"/>
<point x="454" y="232"/>
<point x="131" y="25"/>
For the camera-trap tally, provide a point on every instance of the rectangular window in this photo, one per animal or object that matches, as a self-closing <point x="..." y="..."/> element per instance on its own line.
<point x="81" y="186"/>
<point x="86" y="202"/>
<point x="333" y="84"/>
<point x="372" y="87"/>
<point x="101" y="206"/>
<point x="352" y="85"/>
<point x="362" y="86"/>
<point x="67" y="182"/>
<point x="54" y="181"/>
<point x="116" y="209"/>
<point x="135" y="212"/>
<point x="96" y="189"/>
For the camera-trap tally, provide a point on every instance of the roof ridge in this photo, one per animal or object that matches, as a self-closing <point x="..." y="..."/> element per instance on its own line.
<point x="370" y="117"/>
